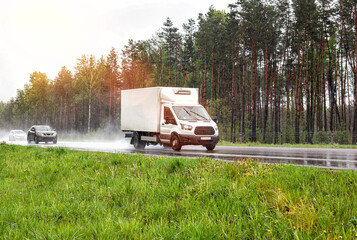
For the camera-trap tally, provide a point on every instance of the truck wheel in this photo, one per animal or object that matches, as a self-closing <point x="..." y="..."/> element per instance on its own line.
<point x="36" y="140"/>
<point x="138" y="144"/>
<point x="175" y="143"/>
<point x="210" y="147"/>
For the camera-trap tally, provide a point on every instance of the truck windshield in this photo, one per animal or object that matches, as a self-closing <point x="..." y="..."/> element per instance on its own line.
<point x="191" y="113"/>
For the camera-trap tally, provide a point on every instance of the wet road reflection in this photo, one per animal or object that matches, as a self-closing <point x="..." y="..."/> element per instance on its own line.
<point x="325" y="158"/>
<point x="316" y="157"/>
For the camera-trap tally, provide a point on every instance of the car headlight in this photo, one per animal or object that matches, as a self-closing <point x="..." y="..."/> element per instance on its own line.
<point x="39" y="134"/>
<point x="186" y="127"/>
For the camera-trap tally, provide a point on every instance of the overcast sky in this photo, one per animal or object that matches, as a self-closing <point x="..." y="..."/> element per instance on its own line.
<point x="44" y="35"/>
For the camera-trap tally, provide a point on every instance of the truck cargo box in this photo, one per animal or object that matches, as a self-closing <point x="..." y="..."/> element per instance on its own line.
<point x="140" y="108"/>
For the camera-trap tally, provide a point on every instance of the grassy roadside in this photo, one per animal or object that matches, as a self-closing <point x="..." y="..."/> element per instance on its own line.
<point x="55" y="193"/>
<point x="252" y="144"/>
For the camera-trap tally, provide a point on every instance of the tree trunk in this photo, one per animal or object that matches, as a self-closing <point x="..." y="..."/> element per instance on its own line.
<point x="176" y="66"/>
<point x="110" y="100"/>
<point x="298" y="94"/>
<point x="204" y="77"/>
<point x="59" y="125"/>
<point x="266" y="96"/>
<point x="243" y="85"/>
<point x="89" y="111"/>
<point x="354" y="134"/>
<point x="275" y="111"/>
<point x="287" y="121"/>
<point x="213" y="83"/>
<point x="317" y="96"/>
<point x="233" y="92"/>
<point x="343" y="86"/>
<point x="332" y="91"/>
<point x="253" y="93"/>
<point x="161" y="67"/>
<point x="282" y="77"/>
<point x="218" y="89"/>
<point x="169" y="69"/>
<point x="308" y="110"/>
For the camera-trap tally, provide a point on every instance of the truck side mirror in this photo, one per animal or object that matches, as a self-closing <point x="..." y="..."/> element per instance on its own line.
<point x="215" y="119"/>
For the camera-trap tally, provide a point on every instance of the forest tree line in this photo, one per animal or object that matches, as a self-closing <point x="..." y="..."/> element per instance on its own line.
<point x="266" y="69"/>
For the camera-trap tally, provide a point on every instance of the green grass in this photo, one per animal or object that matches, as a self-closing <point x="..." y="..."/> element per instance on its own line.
<point x="54" y="193"/>
<point x="253" y="144"/>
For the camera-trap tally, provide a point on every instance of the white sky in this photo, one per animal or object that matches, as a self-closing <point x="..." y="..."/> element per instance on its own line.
<point x="44" y="35"/>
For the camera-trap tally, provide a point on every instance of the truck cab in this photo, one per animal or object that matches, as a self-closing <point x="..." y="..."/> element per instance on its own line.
<point x="187" y="125"/>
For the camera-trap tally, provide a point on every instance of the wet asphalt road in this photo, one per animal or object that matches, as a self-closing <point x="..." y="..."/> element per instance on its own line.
<point x="325" y="158"/>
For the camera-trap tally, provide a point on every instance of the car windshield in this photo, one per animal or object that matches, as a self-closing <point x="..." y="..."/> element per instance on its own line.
<point x="43" y="128"/>
<point x="18" y="132"/>
<point x="191" y="113"/>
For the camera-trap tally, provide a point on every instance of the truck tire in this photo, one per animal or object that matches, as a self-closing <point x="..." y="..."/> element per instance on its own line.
<point x="210" y="147"/>
<point x="138" y="144"/>
<point x="36" y="139"/>
<point x="175" y="143"/>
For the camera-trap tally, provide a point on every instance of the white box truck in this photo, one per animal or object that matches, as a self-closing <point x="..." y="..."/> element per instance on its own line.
<point x="166" y="115"/>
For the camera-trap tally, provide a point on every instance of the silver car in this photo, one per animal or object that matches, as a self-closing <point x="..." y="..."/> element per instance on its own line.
<point x="41" y="133"/>
<point x="17" y="135"/>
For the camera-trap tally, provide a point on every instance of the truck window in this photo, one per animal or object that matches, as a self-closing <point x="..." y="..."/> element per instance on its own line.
<point x="168" y="116"/>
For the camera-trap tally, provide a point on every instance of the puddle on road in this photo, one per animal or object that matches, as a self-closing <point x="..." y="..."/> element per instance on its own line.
<point x="123" y="146"/>
<point x="311" y="163"/>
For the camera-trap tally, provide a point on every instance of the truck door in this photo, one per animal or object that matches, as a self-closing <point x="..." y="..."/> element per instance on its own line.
<point x="168" y="122"/>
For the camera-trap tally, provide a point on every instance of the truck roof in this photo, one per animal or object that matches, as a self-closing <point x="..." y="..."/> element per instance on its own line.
<point x="175" y="95"/>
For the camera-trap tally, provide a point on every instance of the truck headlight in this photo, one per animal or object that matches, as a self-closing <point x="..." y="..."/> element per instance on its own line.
<point x="186" y="127"/>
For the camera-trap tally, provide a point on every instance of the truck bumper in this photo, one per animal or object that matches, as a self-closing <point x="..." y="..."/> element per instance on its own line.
<point x="198" y="140"/>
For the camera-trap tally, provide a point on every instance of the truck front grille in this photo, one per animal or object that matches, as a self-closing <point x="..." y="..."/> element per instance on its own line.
<point x="204" y="131"/>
